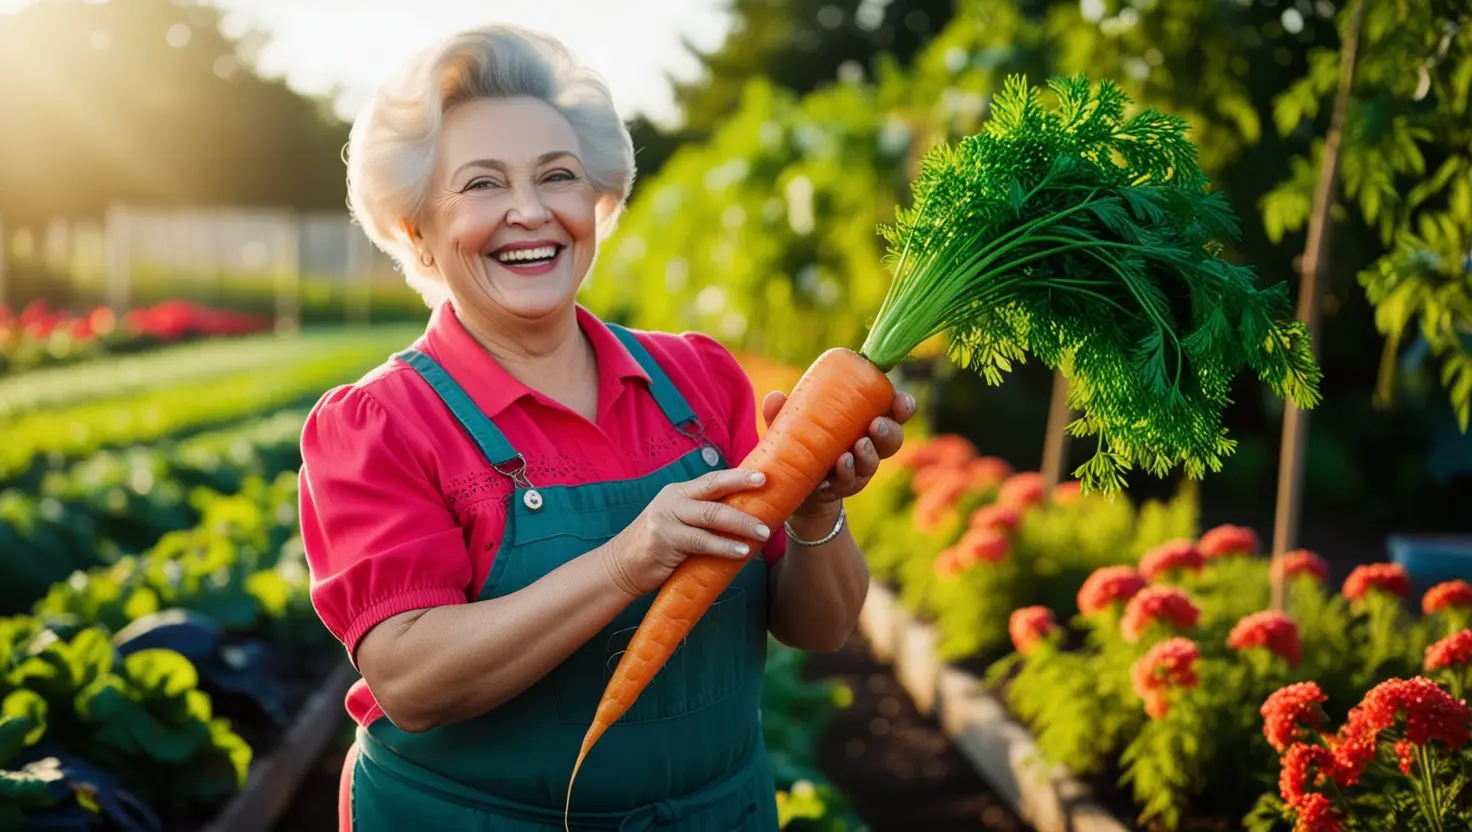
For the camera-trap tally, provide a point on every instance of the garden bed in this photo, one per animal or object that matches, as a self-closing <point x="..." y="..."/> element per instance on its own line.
<point x="999" y="749"/>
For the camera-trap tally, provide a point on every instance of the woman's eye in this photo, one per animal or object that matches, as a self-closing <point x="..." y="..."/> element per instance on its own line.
<point x="482" y="184"/>
<point x="560" y="176"/>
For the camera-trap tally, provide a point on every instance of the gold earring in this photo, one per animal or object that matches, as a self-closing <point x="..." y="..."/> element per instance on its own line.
<point x="426" y="259"/>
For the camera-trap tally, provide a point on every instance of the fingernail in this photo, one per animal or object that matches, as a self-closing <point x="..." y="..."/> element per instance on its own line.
<point x="865" y="445"/>
<point x="883" y="427"/>
<point x="762" y="531"/>
<point x="909" y="401"/>
<point x="848" y="460"/>
<point x="740" y="548"/>
<point x="757" y="478"/>
<point x="824" y="485"/>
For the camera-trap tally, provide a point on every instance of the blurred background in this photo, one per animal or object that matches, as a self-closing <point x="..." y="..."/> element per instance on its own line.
<point x="179" y="277"/>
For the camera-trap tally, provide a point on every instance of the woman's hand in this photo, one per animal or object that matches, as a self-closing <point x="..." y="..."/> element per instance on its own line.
<point x="683" y="520"/>
<point x="854" y="468"/>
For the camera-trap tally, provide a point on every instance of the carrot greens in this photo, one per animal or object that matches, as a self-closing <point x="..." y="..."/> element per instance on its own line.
<point x="1091" y="241"/>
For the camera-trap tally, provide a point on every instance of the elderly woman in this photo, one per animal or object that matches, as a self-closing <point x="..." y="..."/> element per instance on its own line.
<point x="488" y="513"/>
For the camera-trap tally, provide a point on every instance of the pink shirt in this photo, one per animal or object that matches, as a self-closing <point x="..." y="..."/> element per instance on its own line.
<point x="401" y="511"/>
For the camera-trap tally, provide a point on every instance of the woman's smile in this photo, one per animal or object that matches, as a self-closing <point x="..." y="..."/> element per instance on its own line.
<point x="529" y="258"/>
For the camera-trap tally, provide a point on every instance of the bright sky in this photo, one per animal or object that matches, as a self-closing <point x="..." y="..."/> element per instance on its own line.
<point x="353" y="44"/>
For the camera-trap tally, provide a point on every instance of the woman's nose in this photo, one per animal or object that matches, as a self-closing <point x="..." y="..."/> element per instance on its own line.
<point x="527" y="207"/>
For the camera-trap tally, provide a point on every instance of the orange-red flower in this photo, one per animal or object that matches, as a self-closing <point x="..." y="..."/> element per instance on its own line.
<point x="1169" y="665"/>
<point x="1427" y="713"/>
<point x="1299" y="562"/>
<point x="1303" y="769"/>
<point x="1067" y="493"/>
<point x="1454" y="651"/>
<point x="1108" y="585"/>
<point x="1316" y="813"/>
<point x="1292" y="713"/>
<point x="1178" y="555"/>
<point x="1270" y="629"/>
<point x="1226" y="540"/>
<point x="1446" y="595"/>
<point x="1165" y="604"/>
<point x="1385" y="577"/>
<point x="988" y="471"/>
<point x="950" y="449"/>
<point x="982" y="545"/>
<point x="1029" y="625"/>
<point x="948" y="563"/>
<point x="1021" y="491"/>
<point x="997" y="517"/>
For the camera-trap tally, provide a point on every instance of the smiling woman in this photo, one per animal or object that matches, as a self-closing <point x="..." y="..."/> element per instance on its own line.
<point x="488" y="514"/>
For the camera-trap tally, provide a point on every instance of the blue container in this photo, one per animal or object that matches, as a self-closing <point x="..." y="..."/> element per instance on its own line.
<point x="1431" y="559"/>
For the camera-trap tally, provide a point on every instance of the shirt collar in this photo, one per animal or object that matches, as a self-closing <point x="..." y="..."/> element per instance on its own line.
<point x="493" y="389"/>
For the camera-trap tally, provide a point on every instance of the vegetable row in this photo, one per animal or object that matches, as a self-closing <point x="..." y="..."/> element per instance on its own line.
<point x="1145" y="657"/>
<point x="122" y="501"/>
<point x="71" y="432"/>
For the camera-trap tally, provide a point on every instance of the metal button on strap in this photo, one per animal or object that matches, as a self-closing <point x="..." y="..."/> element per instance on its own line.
<point x="709" y="455"/>
<point x="532" y="499"/>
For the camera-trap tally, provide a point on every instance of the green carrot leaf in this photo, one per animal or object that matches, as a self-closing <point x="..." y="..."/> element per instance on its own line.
<point x="1089" y="240"/>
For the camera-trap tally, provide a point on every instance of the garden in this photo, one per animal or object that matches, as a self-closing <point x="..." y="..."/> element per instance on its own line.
<point x="1179" y="540"/>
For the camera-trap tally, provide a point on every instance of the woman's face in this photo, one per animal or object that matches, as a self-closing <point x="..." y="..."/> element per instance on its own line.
<point x="512" y="219"/>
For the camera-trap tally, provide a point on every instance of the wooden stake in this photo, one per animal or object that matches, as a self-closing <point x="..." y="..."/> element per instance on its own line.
<point x="1315" y="269"/>
<point x="1055" y="440"/>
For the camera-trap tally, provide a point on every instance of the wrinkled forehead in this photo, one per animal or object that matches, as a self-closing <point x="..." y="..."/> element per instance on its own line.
<point x="514" y="134"/>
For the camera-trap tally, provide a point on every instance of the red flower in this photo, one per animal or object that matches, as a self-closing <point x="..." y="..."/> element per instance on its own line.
<point x="1107" y="585"/>
<point x="948" y="563"/>
<point x="988" y="471"/>
<point x="1405" y="755"/>
<point x="1273" y="630"/>
<point x="1029" y="625"/>
<point x="980" y="545"/>
<point x="1447" y="594"/>
<point x="1385" y="577"/>
<point x="1291" y="712"/>
<point x="1067" y="493"/>
<point x="1427" y="712"/>
<point x="1171" y="556"/>
<point x="947" y="449"/>
<point x="1299" y="562"/>
<point x="1316" y="813"/>
<point x="1453" y="651"/>
<point x="1304" y="767"/>
<point x="1227" y="540"/>
<point x="1021" y="491"/>
<point x="1168" y="665"/>
<point x="1158" y="603"/>
<point x="997" y="517"/>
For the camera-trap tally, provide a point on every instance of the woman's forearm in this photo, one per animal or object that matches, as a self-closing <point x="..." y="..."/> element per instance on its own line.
<point x="430" y="668"/>
<point x="818" y="591"/>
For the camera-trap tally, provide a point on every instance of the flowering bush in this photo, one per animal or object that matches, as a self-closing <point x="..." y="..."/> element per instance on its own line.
<point x="39" y="335"/>
<point x="967" y="539"/>
<point x="1185" y="688"/>
<point x="1398" y="761"/>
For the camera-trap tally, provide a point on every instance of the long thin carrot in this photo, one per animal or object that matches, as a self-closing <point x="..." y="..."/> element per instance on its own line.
<point x="830" y="408"/>
<point x="1085" y="238"/>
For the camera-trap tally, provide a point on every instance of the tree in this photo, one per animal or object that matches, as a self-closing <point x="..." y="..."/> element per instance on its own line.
<point x="147" y="101"/>
<point x="800" y="45"/>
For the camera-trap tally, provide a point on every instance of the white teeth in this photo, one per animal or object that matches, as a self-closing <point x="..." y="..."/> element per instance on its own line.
<point x="524" y="254"/>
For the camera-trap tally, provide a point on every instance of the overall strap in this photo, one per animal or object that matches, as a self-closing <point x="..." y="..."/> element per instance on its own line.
<point x="487" y="436"/>
<point x="675" y="408"/>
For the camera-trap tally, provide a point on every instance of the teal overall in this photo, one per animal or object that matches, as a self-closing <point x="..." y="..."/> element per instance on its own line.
<point x="688" y="756"/>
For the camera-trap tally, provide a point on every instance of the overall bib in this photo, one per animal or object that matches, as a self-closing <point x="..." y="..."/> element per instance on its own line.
<point x="688" y="756"/>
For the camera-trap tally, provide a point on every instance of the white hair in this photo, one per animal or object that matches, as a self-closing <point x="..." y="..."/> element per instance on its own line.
<point x="390" y="153"/>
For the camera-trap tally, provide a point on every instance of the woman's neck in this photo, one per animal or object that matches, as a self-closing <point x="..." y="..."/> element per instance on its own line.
<point x="551" y="356"/>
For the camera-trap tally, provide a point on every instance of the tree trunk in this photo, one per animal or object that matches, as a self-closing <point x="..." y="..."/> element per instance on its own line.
<point x="1315" y="270"/>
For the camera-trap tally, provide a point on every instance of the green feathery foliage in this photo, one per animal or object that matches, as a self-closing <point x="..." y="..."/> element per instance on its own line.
<point x="1090" y="241"/>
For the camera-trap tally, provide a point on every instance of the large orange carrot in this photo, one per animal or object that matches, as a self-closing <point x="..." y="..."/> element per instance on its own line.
<point x="830" y="408"/>
<point x="1071" y="233"/>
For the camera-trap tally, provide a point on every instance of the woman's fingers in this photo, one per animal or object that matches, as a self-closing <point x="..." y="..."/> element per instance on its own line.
<point x="718" y="484"/>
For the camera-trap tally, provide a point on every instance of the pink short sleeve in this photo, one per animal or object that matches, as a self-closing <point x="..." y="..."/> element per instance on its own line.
<point x="741" y="414"/>
<point x="378" y="536"/>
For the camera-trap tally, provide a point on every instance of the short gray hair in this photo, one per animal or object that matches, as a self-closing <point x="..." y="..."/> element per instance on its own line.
<point x="391" y="148"/>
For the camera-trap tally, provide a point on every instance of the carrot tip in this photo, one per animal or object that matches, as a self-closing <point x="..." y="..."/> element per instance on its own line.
<point x="567" y="808"/>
